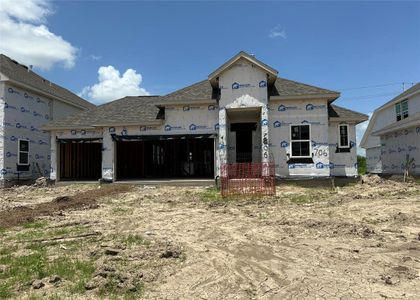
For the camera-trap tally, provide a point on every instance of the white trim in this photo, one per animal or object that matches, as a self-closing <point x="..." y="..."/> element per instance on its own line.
<point x="291" y="141"/>
<point x="19" y="151"/>
<point x="339" y="136"/>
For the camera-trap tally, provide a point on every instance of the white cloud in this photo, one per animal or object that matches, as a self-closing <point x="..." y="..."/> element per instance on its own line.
<point x="360" y="131"/>
<point x="112" y="86"/>
<point x="95" y="57"/>
<point x="278" y="32"/>
<point x="26" y="38"/>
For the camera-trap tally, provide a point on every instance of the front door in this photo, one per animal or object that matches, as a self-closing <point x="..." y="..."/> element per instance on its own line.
<point x="243" y="141"/>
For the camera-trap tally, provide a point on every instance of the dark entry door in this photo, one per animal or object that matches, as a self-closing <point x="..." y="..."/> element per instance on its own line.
<point x="243" y="141"/>
<point x="244" y="146"/>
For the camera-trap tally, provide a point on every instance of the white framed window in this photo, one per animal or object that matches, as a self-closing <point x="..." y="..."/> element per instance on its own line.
<point x="23" y="152"/>
<point x="300" y="140"/>
<point x="401" y="110"/>
<point x="343" y="136"/>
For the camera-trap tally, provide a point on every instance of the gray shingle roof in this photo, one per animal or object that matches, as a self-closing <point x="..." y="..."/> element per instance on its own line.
<point x="20" y="73"/>
<point x="286" y="87"/>
<point x="204" y="91"/>
<point x="335" y="111"/>
<point x="196" y="92"/>
<point x="127" y="110"/>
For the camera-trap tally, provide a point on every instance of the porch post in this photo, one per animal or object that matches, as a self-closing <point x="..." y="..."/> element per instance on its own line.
<point x="264" y="141"/>
<point x="222" y="148"/>
<point x="107" y="157"/>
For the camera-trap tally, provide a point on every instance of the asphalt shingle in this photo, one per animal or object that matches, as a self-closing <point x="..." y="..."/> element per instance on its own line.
<point x="127" y="110"/>
<point x="20" y="73"/>
<point x="335" y="111"/>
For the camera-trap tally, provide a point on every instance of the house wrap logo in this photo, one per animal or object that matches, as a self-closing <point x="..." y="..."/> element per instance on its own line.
<point x="10" y="154"/>
<point x="24" y="110"/>
<point x="12" y="91"/>
<point x="195" y="127"/>
<point x="262" y="84"/>
<point x="36" y="114"/>
<point x="6" y="105"/>
<point x="237" y="85"/>
<point x="278" y="124"/>
<point x="312" y="107"/>
<point x="264" y="122"/>
<point x="284" y="144"/>
<point x="18" y="125"/>
<point x="284" y="107"/>
<point x="169" y="127"/>
<point x="26" y="95"/>
<point x="321" y="165"/>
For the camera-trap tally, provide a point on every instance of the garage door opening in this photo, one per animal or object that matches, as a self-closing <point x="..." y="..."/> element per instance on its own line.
<point x="170" y="158"/>
<point x="80" y="160"/>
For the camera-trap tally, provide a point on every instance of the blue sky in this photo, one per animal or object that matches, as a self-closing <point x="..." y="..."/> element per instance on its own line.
<point x="168" y="45"/>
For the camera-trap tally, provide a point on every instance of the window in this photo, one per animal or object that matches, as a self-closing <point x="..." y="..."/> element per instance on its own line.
<point x="343" y="131"/>
<point x="23" y="156"/>
<point x="300" y="140"/>
<point x="401" y="110"/>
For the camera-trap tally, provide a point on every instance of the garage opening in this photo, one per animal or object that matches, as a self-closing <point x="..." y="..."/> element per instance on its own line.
<point x="80" y="159"/>
<point x="165" y="157"/>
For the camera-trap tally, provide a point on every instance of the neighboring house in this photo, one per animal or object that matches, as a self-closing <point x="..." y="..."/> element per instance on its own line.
<point x="242" y="113"/>
<point x="393" y="133"/>
<point x="28" y="101"/>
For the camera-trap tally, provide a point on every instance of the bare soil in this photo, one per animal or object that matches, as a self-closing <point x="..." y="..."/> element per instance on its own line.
<point x="358" y="241"/>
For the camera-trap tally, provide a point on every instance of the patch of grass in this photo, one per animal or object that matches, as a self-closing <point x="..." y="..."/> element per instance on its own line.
<point x="40" y="233"/>
<point x="300" y="199"/>
<point x="213" y="195"/>
<point x="122" y="211"/>
<point x="110" y="290"/>
<point x="35" y="225"/>
<point x="22" y="269"/>
<point x="135" y="239"/>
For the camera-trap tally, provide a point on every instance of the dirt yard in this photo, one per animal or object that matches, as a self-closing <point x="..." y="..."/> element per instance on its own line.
<point x="359" y="241"/>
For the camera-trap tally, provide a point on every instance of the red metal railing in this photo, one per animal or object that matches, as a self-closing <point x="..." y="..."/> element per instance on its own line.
<point x="247" y="179"/>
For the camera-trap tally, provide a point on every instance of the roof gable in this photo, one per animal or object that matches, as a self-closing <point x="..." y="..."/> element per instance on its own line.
<point x="272" y="73"/>
<point x="415" y="89"/>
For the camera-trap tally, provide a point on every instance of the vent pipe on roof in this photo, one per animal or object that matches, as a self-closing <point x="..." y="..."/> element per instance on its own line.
<point x="30" y="68"/>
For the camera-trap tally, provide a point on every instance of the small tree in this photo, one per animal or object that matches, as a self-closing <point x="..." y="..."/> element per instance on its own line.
<point x="407" y="166"/>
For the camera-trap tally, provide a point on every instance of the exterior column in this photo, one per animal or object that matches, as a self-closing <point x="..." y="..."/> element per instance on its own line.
<point x="222" y="147"/>
<point x="264" y="141"/>
<point x="108" y="150"/>
<point x="54" y="157"/>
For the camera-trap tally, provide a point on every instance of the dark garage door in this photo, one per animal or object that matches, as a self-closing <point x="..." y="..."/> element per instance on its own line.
<point x="80" y="161"/>
<point x="170" y="158"/>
